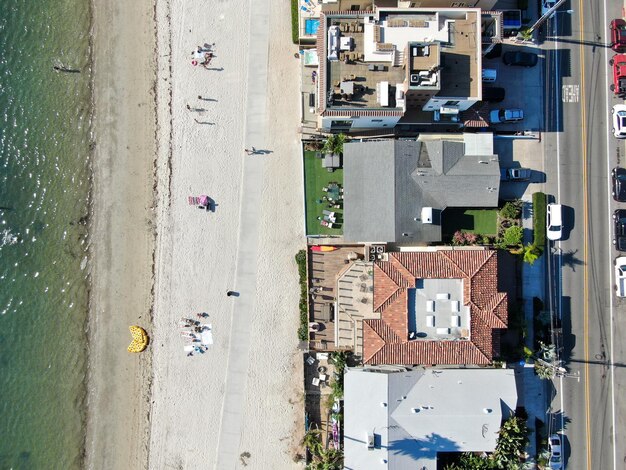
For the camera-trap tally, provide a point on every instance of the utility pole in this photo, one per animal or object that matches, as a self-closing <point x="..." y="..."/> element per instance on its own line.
<point x="547" y="15"/>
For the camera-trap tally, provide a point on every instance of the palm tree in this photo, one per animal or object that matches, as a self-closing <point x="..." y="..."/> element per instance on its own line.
<point x="334" y="143"/>
<point x="531" y="253"/>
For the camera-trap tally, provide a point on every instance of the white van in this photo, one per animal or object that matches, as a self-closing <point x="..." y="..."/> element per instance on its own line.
<point x="489" y="75"/>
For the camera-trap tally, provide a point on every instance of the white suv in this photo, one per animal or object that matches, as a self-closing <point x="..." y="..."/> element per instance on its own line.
<point x="554" y="215"/>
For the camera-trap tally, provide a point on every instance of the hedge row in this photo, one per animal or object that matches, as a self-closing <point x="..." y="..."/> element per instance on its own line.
<point x="295" y="34"/>
<point x="303" y="329"/>
<point x="539" y="219"/>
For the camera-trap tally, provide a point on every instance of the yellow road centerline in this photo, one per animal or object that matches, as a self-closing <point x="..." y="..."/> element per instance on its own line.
<point x="585" y="236"/>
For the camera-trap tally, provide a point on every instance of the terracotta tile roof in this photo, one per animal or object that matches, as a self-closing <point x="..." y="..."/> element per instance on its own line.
<point x="385" y="341"/>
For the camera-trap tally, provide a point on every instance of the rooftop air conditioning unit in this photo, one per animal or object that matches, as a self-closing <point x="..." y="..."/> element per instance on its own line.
<point x="415" y="78"/>
<point x="427" y="215"/>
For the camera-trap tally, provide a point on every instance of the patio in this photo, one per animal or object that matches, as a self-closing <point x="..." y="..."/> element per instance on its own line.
<point x="317" y="366"/>
<point x="316" y="177"/>
<point x="324" y="270"/>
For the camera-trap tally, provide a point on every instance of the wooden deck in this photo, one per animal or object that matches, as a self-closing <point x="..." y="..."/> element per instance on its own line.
<point x="324" y="270"/>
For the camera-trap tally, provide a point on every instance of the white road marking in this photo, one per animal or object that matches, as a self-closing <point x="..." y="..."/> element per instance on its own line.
<point x="570" y="93"/>
<point x="609" y="243"/>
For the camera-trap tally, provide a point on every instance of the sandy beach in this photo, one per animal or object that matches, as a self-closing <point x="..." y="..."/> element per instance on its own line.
<point x="121" y="233"/>
<point x="166" y="130"/>
<point x="238" y="404"/>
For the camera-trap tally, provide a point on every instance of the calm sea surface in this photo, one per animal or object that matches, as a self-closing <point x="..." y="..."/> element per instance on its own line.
<point x="44" y="186"/>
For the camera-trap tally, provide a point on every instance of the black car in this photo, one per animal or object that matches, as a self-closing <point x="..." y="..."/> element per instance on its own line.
<point x="523" y="59"/>
<point x="619" y="229"/>
<point x="493" y="94"/>
<point x="619" y="184"/>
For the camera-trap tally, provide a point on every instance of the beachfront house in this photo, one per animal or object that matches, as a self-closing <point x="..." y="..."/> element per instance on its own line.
<point x="408" y="417"/>
<point x="429" y="307"/>
<point x="399" y="66"/>
<point x="396" y="190"/>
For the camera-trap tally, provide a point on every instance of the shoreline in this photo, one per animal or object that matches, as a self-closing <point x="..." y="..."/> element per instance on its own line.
<point x="122" y="232"/>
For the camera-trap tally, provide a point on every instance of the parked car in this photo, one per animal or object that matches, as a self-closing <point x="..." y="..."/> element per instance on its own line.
<point x="546" y="5"/>
<point x="556" y="454"/>
<point x="618" y="35"/>
<point x="619" y="184"/>
<point x="619" y="229"/>
<point x="554" y="215"/>
<point x="620" y="276"/>
<point x="489" y="75"/>
<point x="522" y="59"/>
<point x="619" y="120"/>
<point x="506" y="115"/>
<point x="493" y="94"/>
<point x="618" y="62"/>
<point x="515" y="174"/>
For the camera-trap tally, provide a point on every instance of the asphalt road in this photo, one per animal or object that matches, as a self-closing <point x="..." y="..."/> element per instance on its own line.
<point x="580" y="152"/>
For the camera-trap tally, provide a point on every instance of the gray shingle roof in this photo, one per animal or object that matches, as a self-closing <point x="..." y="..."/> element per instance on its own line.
<point x="386" y="184"/>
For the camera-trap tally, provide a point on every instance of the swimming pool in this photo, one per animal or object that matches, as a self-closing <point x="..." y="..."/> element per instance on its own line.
<point x="311" y="25"/>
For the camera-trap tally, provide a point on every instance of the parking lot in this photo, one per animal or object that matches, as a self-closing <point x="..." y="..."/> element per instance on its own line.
<point x="524" y="88"/>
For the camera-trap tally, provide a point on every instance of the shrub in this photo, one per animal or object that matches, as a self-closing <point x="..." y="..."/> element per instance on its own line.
<point x="303" y="329"/>
<point x="539" y="220"/>
<point x="458" y="238"/>
<point x="512" y="236"/>
<point x="511" y="210"/>
<point x="471" y="238"/>
<point x="464" y="238"/>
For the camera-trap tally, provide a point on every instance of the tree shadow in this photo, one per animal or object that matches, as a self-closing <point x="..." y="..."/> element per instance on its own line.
<point x="569" y="259"/>
<point x="420" y="448"/>
<point x="559" y="421"/>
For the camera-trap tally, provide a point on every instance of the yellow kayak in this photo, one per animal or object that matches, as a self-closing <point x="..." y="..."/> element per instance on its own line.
<point x="140" y="339"/>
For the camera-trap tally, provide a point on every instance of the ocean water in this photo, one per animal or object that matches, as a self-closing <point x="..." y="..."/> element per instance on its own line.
<point x="44" y="189"/>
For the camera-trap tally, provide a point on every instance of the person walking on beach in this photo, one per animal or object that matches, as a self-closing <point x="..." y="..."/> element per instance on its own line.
<point x="230" y="293"/>
<point x="250" y="151"/>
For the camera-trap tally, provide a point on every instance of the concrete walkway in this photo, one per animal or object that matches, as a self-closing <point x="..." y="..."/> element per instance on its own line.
<point x="247" y="251"/>
<point x="533" y="276"/>
<point x="531" y="389"/>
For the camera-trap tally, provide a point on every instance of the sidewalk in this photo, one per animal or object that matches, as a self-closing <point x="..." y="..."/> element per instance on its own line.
<point x="531" y="389"/>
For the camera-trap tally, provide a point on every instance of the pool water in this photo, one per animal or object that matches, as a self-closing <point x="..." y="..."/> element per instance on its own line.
<point x="311" y="25"/>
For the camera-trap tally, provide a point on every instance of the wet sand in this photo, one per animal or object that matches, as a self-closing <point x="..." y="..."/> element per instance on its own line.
<point x="122" y="233"/>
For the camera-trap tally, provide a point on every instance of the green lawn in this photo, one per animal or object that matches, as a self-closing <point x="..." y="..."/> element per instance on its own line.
<point x="315" y="178"/>
<point x="482" y="221"/>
